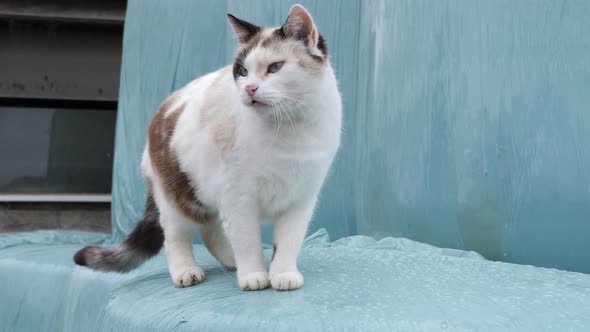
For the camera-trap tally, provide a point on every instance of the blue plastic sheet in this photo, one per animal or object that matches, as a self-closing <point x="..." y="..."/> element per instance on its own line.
<point x="466" y="123"/>
<point x="352" y="284"/>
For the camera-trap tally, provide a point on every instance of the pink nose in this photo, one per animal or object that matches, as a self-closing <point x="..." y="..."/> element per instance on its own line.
<point x="251" y="89"/>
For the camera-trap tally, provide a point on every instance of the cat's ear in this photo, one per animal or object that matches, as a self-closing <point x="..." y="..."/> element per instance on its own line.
<point x="299" y="25"/>
<point x="244" y="30"/>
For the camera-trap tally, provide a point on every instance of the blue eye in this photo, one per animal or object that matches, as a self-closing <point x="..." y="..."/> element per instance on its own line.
<point x="275" y="67"/>
<point x="242" y="71"/>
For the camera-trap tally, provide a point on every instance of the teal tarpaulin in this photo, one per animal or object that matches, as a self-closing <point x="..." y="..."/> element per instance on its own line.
<point x="466" y="123"/>
<point x="353" y="284"/>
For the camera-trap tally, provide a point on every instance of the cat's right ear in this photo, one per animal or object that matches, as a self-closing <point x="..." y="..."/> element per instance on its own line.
<point x="244" y="30"/>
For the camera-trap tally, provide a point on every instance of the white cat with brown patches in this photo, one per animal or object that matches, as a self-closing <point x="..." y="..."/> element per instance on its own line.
<point x="248" y="142"/>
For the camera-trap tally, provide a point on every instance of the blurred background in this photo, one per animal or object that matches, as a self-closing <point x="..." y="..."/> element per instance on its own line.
<point x="59" y="81"/>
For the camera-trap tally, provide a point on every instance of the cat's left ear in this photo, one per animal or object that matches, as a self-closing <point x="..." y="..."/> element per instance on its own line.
<point x="299" y="25"/>
<point x="244" y="30"/>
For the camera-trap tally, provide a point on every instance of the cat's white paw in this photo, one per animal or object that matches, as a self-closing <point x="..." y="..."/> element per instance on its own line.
<point x="253" y="281"/>
<point x="188" y="276"/>
<point x="286" y="280"/>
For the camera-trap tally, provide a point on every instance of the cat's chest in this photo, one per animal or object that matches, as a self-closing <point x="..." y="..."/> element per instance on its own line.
<point x="283" y="181"/>
<point x="285" y="170"/>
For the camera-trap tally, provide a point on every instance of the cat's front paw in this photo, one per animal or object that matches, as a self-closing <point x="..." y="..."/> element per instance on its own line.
<point x="188" y="276"/>
<point x="285" y="281"/>
<point x="253" y="281"/>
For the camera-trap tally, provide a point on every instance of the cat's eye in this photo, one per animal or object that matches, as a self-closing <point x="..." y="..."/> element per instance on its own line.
<point x="242" y="71"/>
<point x="275" y="67"/>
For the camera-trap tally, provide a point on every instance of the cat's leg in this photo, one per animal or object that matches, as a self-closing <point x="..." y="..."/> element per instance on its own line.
<point x="216" y="241"/>
<point x="178" y="242"/>
<point x="178" y="245"/>
<point x="289" y="233"/>
<point x="243" y="230"/>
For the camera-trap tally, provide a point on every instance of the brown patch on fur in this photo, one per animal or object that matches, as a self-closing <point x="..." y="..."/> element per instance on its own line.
<point x="276" y="37"/>
<point x="243" y="51"/>
<point x="220" y="121"/>
<point x="224" y="133"/>
<point x="309" y="61"/>
<point x="206" y="111"/>
<point x="299" y="26"/>
<point x="167" y="104"/>
<point x="305" y="57"/>
<point x="204" y="114"/>
<point x="176" y="184"/>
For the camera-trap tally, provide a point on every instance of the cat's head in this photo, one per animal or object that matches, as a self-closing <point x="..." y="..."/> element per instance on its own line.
<point x="279" y="68"/>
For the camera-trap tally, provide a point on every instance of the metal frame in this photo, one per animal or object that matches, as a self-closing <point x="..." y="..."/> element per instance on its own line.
<point x="59" y="81"/>
<point x="111" y="12"/>
<point x="56" y="198"/>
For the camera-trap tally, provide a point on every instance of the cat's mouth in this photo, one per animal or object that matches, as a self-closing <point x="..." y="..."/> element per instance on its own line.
<point x="258" y="104"/>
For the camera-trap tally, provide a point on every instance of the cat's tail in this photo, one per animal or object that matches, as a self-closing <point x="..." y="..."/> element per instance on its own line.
<point x="143" y="242"/>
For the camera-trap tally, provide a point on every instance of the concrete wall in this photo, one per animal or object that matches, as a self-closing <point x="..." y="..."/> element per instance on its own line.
<point x="67" y="49"/>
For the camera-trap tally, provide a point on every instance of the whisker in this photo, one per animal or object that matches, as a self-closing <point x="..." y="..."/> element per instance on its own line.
<point x="287" y="113"/>
<point x="287" y="105"/>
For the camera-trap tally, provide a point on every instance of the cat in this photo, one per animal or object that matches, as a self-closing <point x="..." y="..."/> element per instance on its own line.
<point x="251" y="141"/>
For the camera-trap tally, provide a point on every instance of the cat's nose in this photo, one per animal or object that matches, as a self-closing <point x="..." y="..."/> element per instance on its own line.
<point x="251" y="89"/>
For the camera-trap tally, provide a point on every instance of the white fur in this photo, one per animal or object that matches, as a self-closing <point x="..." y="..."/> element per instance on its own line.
<point x="274" y="170"/>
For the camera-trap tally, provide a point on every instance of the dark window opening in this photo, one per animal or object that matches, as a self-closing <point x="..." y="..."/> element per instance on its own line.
<point x="56" y="150"/>
<point x="59" y="82"/>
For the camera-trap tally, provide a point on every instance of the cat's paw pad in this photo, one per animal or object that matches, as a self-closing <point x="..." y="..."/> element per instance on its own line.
<point x="188" y="276"/>
<point x="253" y="281"/>
<point x="287" y="281"/>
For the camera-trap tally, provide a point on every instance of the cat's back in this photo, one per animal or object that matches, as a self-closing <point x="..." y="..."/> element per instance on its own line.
<point x="212" y="90"/>
<point x="193" y="107"/>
